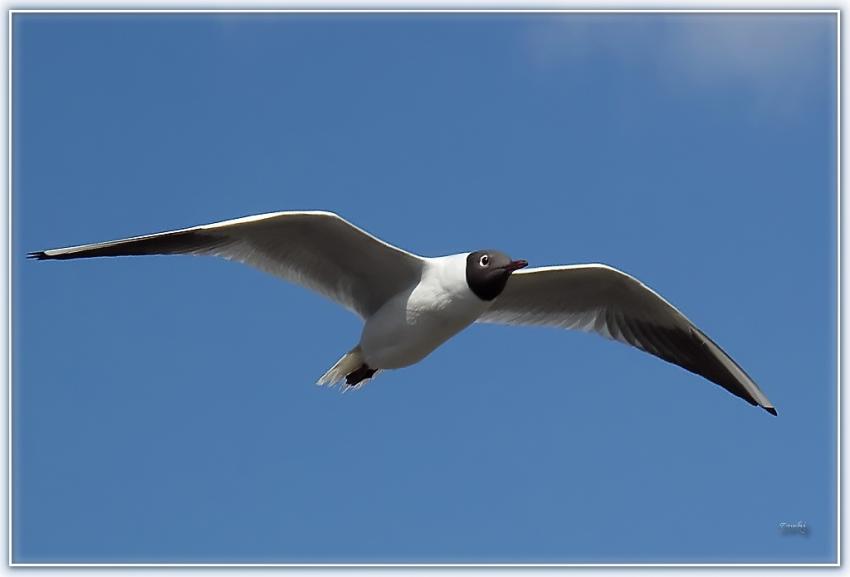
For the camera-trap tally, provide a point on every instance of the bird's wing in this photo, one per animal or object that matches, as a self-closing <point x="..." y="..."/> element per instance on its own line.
<point x="595" y="297"/>
<point x="318" y="250"/>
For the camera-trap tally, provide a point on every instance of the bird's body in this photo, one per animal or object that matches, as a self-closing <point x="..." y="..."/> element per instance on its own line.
<point x="411" y="305"/>
<point x="415" y="322"/>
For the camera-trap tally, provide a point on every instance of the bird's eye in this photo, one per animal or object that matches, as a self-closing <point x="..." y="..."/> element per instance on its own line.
<point x="485" y="260"/>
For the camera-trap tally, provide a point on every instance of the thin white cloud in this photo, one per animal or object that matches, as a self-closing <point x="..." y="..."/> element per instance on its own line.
<point x="771" y="58"/>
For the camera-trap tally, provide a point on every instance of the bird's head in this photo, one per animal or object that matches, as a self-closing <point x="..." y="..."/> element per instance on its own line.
<point x="487" y="272"/>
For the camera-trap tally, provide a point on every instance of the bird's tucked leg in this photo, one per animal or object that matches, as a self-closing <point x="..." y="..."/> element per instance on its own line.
<point x="361" y="374"/>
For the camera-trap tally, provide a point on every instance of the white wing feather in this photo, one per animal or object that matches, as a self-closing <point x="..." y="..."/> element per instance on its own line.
<point x="598" y="298"/>
<point x="318" y="250"/>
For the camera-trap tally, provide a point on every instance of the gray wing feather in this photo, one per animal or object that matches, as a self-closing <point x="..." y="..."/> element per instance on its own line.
<point x="318" y="250"/>
<point x="609" y="302"/>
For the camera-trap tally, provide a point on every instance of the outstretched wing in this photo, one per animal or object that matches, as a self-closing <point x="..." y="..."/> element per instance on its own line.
<point x="318" y="250"/>
<point x="598" y="298"/>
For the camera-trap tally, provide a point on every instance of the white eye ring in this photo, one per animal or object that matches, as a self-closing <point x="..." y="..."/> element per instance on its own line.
<point x="485" y="260"/>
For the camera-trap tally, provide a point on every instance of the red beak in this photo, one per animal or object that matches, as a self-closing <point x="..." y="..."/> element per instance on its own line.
<point x="516" y="265"/>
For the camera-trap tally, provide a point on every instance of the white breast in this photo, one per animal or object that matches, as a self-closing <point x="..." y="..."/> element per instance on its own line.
<point x="414" y="323"/>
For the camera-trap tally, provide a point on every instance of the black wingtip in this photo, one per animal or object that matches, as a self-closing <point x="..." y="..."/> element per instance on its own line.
<point x="40" y="255"/>
<point x="770" y="410"/>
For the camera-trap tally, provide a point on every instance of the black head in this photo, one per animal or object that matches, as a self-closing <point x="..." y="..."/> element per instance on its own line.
<point x="487" y="272"/>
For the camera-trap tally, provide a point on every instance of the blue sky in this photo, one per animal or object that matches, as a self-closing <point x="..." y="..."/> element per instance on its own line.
<point x="164" y="409"/>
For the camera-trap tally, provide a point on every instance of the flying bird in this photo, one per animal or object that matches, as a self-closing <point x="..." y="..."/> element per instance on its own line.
<point x="411" y="304"/>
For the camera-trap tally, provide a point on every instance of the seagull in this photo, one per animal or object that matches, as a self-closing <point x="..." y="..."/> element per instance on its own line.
<point x="412" y="304"/>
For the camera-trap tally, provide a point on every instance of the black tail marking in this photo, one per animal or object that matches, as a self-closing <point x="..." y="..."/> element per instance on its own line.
<point x="361" y="374"/>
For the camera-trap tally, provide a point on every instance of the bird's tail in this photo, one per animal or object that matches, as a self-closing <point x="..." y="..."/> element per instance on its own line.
<point x="350" y="362"/>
